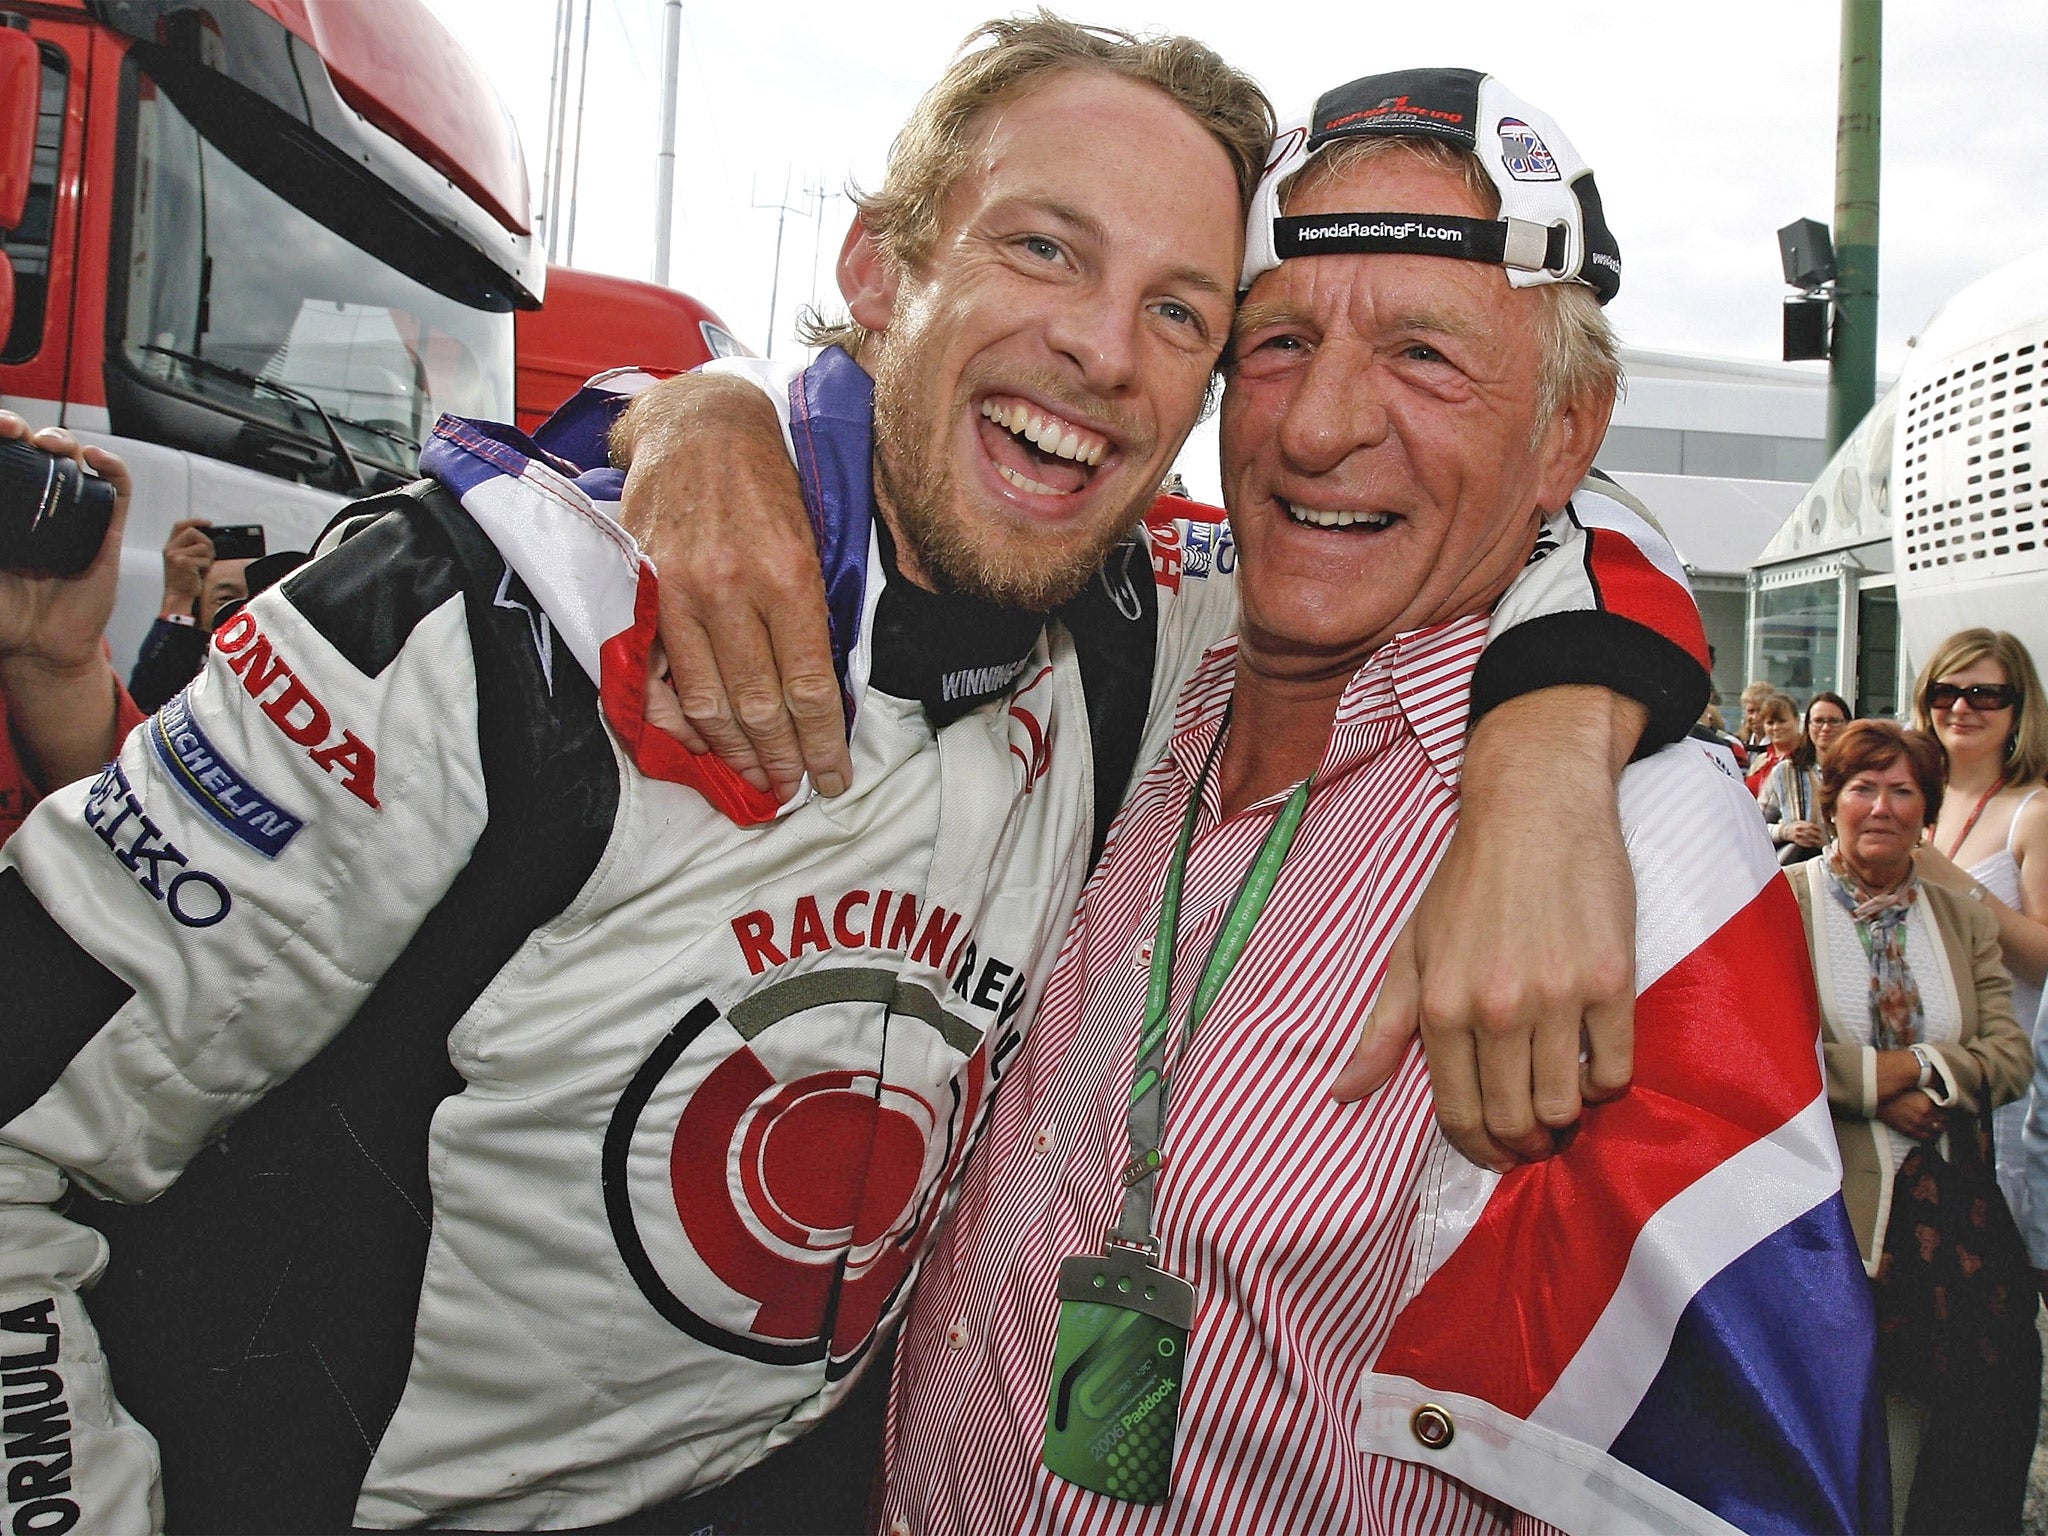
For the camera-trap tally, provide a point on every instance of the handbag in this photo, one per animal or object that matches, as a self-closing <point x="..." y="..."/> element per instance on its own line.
<point x="1955" y="1298"/>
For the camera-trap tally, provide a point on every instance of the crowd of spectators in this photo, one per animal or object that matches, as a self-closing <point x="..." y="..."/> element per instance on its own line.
<point x="1923" y="883"/>
<point x="1981" y="696"/>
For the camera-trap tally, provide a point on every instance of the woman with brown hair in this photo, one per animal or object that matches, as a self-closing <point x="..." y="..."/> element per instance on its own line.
<point x="1917" y="1034"/>
<point x="1791" y="793"/>
<point x="1980" y="694"/>
<point x="1778" y="720"/>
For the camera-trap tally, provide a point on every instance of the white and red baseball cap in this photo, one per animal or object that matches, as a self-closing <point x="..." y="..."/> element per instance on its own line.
<point x="1550" y="230"/>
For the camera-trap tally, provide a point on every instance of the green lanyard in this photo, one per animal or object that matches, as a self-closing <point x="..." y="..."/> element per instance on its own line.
<point x="1147" y="1121"/>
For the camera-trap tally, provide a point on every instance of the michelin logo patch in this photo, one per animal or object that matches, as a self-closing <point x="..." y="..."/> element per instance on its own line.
<point x="216" y="786"/>
<point x="1209" y="549"/>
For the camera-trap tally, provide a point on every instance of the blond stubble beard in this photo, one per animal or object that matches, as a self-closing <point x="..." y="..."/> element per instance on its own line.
<point x="1030" y="576"/>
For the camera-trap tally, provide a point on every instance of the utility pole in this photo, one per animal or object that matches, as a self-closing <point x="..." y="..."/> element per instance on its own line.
<point x="1852" y="359"/>
<point x="576" y="165"/>
<point x="820" y="196"/>
<point x="665" y="157"/>
<point x="558" y="99"/>
<point x="775" y="280"/>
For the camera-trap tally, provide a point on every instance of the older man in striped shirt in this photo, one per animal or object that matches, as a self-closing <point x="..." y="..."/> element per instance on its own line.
<point x="1179" y="1290"/>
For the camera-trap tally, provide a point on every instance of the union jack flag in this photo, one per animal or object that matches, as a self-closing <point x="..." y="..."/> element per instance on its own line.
<point x="1666" y="1327"/>
<point x="596" y="587"/>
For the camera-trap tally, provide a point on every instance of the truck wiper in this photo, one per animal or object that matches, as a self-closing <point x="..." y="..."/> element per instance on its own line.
<point x="208" y="365"/>
<point x="257" y="383"/>
<point x="390" y="435"/>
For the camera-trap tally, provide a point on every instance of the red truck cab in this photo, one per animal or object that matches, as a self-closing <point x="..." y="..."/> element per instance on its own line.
<point x="593" y="321"/>
<point x="261" y="245"/>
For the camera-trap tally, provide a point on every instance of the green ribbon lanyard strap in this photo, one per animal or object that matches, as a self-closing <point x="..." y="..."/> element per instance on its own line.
<point x="1151" y="1082"/>
<point x="1120" y="1347"/>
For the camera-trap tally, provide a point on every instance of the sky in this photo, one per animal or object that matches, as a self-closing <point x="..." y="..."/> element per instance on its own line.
<point x="1708" y="127"/>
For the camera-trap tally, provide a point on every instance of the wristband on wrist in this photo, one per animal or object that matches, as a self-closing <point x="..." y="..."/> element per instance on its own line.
<point x="184" y="620"/>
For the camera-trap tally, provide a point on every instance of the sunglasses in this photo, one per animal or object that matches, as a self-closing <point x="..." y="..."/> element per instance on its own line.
<point x="1982" y="696"/>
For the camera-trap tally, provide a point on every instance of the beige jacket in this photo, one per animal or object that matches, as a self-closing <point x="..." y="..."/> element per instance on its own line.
<point x="1991" y="1054"/>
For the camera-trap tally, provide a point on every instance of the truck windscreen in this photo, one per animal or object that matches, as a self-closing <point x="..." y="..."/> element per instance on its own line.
<point x="319" y="359"/>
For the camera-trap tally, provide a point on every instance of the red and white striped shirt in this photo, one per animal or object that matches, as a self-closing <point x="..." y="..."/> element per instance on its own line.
<point x="1290" y="1213"/>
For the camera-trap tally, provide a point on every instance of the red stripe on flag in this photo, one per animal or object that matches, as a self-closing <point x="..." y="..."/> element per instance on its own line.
<point x="1629" y="585"/>
<point x="1724" y="1056"/>
<point x="622" y="663"/>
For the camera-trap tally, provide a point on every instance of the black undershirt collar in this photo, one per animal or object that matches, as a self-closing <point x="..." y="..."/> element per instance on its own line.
<point x="948" y="651"/>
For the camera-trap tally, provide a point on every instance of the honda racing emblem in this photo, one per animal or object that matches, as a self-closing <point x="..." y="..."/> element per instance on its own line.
<point x="768" y="1189"/>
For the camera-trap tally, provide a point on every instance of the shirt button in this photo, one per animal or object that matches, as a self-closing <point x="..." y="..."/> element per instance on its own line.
<point x="1432" y="1426"/>
<point x="1043" y="1140"/>
<point x="956" y="1335"/>
<point x="899" y="1527"/>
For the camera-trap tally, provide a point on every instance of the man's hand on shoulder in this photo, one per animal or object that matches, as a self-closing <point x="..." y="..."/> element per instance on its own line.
<point x="714" y="501"/>
<point x="1521" y="953"/>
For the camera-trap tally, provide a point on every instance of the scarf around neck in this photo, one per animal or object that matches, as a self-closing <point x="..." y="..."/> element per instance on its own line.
<point x="1897" y="1016"/>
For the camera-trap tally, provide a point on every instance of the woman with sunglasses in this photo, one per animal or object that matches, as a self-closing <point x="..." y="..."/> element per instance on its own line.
<point x="1979" y="693"/>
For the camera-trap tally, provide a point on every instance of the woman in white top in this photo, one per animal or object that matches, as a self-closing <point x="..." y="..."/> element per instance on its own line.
<point x="1980" y="694"/>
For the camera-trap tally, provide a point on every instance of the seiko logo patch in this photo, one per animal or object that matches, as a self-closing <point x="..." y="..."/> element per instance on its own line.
<point x="770" y="1200"/>
<point x="37" y="1425"/>
<point x="293" y="709"/>
<point x="1528" y="158"/>
<point x="216" y="786"/>
<point x="192" y="896"/>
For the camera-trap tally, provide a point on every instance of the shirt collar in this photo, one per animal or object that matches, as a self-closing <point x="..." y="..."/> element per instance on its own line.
<point x="1430" y="673"/>
<point x="1422" y="677"/>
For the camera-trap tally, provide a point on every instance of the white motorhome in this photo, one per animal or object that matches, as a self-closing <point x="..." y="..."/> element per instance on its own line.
<point x="1928" y="519"/>
<point x="1970" y="535"/>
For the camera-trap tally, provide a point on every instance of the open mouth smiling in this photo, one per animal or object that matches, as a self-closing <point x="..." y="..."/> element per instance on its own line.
<point x="1311" y="517"/>
<point x="1037" y="451"/>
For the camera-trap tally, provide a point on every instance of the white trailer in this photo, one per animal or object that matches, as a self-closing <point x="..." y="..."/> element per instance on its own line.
<point x="1970" y="465"/>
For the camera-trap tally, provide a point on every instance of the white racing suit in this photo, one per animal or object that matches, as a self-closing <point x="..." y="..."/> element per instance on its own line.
<point x="527" y="1143"/>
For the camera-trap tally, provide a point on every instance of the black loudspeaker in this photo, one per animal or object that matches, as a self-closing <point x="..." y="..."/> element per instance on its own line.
<point x="1808" y="253"/>
<point x="1806" y="329"/>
